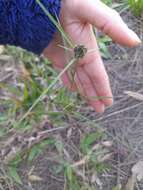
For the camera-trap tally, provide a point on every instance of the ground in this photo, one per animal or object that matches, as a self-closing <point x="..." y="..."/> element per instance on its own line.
<point x="119" y="143"/>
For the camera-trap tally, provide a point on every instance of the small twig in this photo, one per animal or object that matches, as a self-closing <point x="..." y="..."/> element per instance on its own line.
<point x="6" y="77"/>
<point x="118" y="112"/>
<point x="86" y="158"/>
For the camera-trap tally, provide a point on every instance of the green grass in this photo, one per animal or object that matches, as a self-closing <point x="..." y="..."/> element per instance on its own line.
<point x="107" y="2"/>
<point x="136" y="7"/>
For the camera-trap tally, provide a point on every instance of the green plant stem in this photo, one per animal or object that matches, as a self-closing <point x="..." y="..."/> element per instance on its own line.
<point x="49" y="87"/>
<point x="58" y="26"/>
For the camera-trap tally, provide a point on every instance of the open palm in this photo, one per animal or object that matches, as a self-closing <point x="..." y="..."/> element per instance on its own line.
<point x="77" y="18"/>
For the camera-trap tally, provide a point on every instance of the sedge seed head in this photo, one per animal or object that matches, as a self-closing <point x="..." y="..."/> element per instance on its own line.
<point x="80" y="51"/>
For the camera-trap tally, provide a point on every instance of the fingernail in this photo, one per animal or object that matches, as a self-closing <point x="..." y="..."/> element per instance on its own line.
<point x="134" y="37"/>
<point x="101" y="109"/>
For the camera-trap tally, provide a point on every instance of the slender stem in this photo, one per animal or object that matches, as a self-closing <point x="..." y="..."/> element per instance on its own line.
<point x="65" y="48"/>
<point x="49" y="88"/>
<point x="55" y="23"/>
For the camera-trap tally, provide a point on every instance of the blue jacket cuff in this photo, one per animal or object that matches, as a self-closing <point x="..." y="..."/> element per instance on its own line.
<point x="23" y="23"/>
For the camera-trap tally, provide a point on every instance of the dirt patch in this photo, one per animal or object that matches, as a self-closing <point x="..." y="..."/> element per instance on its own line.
<point x="124" y="120"/>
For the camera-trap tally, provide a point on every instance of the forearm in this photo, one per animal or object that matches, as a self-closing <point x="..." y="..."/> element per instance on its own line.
<point x="23" y="23"/>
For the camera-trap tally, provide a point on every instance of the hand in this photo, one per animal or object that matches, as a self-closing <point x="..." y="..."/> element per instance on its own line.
<point x="77" y="18"/>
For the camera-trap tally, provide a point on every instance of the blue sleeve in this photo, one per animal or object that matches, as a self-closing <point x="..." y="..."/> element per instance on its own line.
<point x="23" y="23"/>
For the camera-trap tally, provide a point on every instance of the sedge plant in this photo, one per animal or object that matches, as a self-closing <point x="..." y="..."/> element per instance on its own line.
<point x="79" y="51"/>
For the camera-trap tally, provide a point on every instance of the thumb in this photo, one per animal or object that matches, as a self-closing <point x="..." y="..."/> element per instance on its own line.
<point x="108" y="21"/>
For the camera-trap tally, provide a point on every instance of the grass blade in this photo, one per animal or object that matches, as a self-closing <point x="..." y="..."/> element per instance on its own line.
<point x="49" y="88"/>
<point x="55" y="23"/>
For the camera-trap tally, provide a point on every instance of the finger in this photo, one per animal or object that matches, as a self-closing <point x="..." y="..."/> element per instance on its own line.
<point x="95" y="69"/>
<point x="88" y="91"/>
<point x="68" y="83"/>
<point x="97" y="74"/>
<point x="93" y="64"/>
<point x="109" y="21"/>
